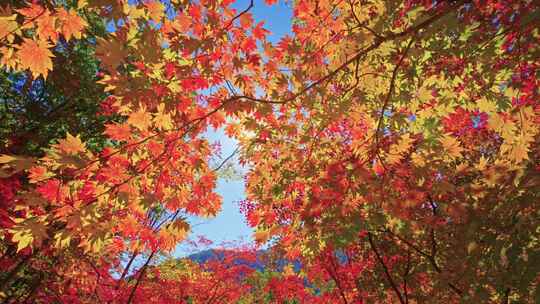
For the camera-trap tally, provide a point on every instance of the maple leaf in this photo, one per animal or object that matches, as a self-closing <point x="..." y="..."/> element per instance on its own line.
<point x="140" y="119"/>
<point x="173" y="233"/>
<point x="182" y="22"/>
<point x="519" y="150"/>
<point x="378" y="168"/>
<point x="424" y="94"/>
<point x="261" y="236"/>
<point x="71" y="145"/>
<point x="72" y="24"/>
<point x="398" y="150"/>
<point x="9" y="58"/>
<point x="28" y="232"/>
<point x="13" y="164"/>
<point x="38" y="173"/>
<point x="519" y="153"/>
<point x="118" y="131"/>
<point x="451" y="145"/>
<point x="155" y="10"/>
<point x="45" y="27"/>
<point x="111" y="52"/>
<point x="259" y="32"/>
<point x="35" y="56"/>
<point x="195" y="11"/>
<point x="9" y="27"/>
<point x="246" y="20"/>
<point x="162" y="119"/>
<point x="33" y="11"/>
<point x="487" y="106"/>
<point x="62" y="239"/>
<point x="50" y="190"/>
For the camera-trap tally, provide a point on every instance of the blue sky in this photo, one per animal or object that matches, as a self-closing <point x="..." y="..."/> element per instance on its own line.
<point x="229" y="224"/>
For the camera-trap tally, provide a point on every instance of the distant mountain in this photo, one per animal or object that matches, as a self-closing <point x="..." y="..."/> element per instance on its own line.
<point x="214" y="254"/>
<point x="259" y="263"/>
<point x="203" y="256"/>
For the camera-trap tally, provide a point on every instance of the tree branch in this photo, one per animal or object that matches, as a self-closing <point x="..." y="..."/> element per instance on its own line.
<point x="227" y="159"/>
<point x="238" y="16"/>
<point x="139" y="278"/>
<point x="386" y="271"/>
<point x="390" y="92"/>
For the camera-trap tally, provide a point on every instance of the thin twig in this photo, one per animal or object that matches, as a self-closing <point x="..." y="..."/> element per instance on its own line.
<point x="226" y="28"/>
<point x="226" y="159"/>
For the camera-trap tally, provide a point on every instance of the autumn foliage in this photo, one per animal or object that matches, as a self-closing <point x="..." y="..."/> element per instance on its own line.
<point x="392" y="149"/>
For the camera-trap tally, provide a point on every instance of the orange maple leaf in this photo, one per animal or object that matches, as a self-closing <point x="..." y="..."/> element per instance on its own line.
<point x="246" y="20"/>
<point x="155" y="10"/>
<point x="38" y="174"/>
<point x="45" y="27"/>
<point x="35" y="56"/>
<point x="182" y="23"/>
<point x="118" y="131"/>
<point x="72" y="24"/>
<point x="32" y="12"/>
<point x="71" y="145"/>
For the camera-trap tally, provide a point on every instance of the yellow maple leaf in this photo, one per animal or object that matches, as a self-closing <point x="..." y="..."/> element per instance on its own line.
<point x="288" y="270"/>
<point x="517" y="149"/>
<point x="8" y="58"/>
<point x="505" y="127"/>
<point x="418" y="160"/>
<point x="398" y="150"/>
<point x="487" y="106"/>
<point x="35" y="56"/>
<point x="62" y="239"/>
<point x="482" y="164"/>
<point x="4" y="158"/>
<point x="163" y="120"/>
<point x="72" y="24"/>
<point x="9" y="27"/>
<point x="518" y="153"/>
<point x="424" y="94"/>
<point x="140" y="119"/>
<point x="173" y="233"/>
<point x="451" y="145"/>
<point x="71" y="144"/>
<point x="511" y="93"/>
<point x="27" y="232"/>
<point x="392" y="159"/>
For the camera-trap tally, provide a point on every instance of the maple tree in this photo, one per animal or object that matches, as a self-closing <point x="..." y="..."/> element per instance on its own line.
<point x="415" y="144"/>
<point x="392" y="149"/>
